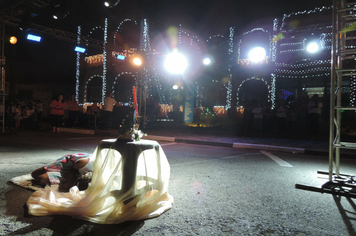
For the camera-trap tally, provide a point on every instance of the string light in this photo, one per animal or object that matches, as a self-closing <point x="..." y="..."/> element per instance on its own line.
<point x="77" y="68"/>
<point x="288" y="43"/>
<point x="104" y="62"/>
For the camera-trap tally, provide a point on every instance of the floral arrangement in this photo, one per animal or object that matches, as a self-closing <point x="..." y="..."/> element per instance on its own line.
<point x="129" y="129"/>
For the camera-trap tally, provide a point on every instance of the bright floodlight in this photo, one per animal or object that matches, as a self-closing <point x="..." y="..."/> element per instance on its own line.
<point x="312" y="47"/>
<point x="175" y="87"/>
<point x="206" y="61"/>
<point x="176" y="63"/>
<point x="257" y="54"/>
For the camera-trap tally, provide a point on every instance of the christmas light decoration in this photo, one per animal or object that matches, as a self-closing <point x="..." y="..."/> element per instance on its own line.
<point x="77" y="68"/>
<point x="103" y="94"/>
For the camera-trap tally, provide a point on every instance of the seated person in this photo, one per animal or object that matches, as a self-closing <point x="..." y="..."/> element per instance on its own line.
<point x="65" y="171"/>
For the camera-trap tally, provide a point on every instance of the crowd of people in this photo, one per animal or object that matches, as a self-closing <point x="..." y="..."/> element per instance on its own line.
<point x="28" y="113"/>
<point x="21" y="114"/>
<point x="300" y="116"/>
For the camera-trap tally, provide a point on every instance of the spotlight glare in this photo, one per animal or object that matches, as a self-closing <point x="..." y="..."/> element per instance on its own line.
<point x="206" y="61"/>
<point x="257" y="54"/>
<point x="176" y="63"/>
<point x="312" y="47"/>
<point x="137" y="61"/>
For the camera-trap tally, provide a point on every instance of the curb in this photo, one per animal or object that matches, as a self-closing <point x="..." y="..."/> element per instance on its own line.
<point x="77" y="131"/>
<point x="269" y="147"/>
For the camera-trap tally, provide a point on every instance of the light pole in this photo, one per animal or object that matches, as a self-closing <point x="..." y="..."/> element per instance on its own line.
<point x="138" y="62"/>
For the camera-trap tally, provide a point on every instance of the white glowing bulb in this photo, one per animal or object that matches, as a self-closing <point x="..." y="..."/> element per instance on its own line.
<point x="312" y="47"/>
<point x="257" y="54"/>
<point x="176" y="63"/>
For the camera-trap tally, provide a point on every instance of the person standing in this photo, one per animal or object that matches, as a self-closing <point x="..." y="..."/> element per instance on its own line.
<point x="57" y="112"/>
<point x="72" y="111"/>
<point x="109" y="103"/>
<point x="258" y="116"/>
<point x="281" y="114"/>
<point x="314" y="111"/>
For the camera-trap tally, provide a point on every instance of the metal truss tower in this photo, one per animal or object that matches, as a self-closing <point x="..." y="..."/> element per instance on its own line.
<point x="343" y="77"/>
<point x="343" y="71"/>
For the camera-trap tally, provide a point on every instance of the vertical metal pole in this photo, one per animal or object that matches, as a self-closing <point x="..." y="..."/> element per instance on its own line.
<point x="145" y="105"/>
<point x="332" y="91"/>
<point x="2" y="71"/>
<point x="341" y="47"/>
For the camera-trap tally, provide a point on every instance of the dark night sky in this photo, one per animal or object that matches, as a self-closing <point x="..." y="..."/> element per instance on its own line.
<point x="53" y="60"/>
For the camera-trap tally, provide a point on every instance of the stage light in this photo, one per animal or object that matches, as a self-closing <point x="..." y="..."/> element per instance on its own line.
<point x="111" y="3"/>
<point x="313" y="47"/>
<point x="257" y="54"/>
<point x="60" y="11"/>
<point x="176" y="63"/>
<point x="175" y="87"/>
<point x="137" y="61"/>
<point x="27" y="21"/>
<point x="13" y="40"/>
<point x="206" y="61"/>
<point x="35" y="38"/>
<point x="80" y="49"/>
<point x="120" y="57"/>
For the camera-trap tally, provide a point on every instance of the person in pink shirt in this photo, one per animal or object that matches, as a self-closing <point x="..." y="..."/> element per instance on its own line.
<point x="57" y="112"/>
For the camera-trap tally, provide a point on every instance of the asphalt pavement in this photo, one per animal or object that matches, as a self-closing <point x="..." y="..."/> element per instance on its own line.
<point x="228" y="137"/>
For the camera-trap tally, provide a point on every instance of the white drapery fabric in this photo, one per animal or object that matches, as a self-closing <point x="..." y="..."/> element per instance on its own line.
<point x="129" y="183"/>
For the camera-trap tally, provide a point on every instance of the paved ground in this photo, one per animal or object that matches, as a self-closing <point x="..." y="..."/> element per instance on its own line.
<point x="228" y="137"/>
<point x="315" y="144"/>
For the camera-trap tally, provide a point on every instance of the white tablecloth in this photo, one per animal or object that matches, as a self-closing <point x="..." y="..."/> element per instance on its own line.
<point x="130" y="182"/>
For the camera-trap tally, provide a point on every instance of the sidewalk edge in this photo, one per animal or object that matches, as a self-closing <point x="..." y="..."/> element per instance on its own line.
<point x="268" y="147"/>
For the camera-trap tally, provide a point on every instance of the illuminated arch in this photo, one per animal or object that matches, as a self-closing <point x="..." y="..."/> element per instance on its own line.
<point x="119" y="28"/>
<point x="269" y="87"/>
<point x="86" y="86"/>
<point x="133" y="75"/>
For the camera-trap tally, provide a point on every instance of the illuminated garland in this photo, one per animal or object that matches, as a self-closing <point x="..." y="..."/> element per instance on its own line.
<point x="105" y="59"/>
<point x="129" y="99"/>
<point x="303" y="76"/>
<point x="219" y="110"/>
<point x="153" y="78"/>
<point x="303" y="65"/>
<point x="254" y="78"/>
<point x="228" y="86"/>
<point x="303" y="71"/>
<point x="77" y="68"/>
<point x="145" y="39"/>
<point x="273" y="91"/>
<point x="246" y="33"/>
<point x="86" y="86"/>
<point x="274" y="42"/>
<point x="304" y="12"/>
<point x="95" y="59"/>
<point x="166" y="108"/>
<point x="248" y="62"/>
<point x="353" y="90"/>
